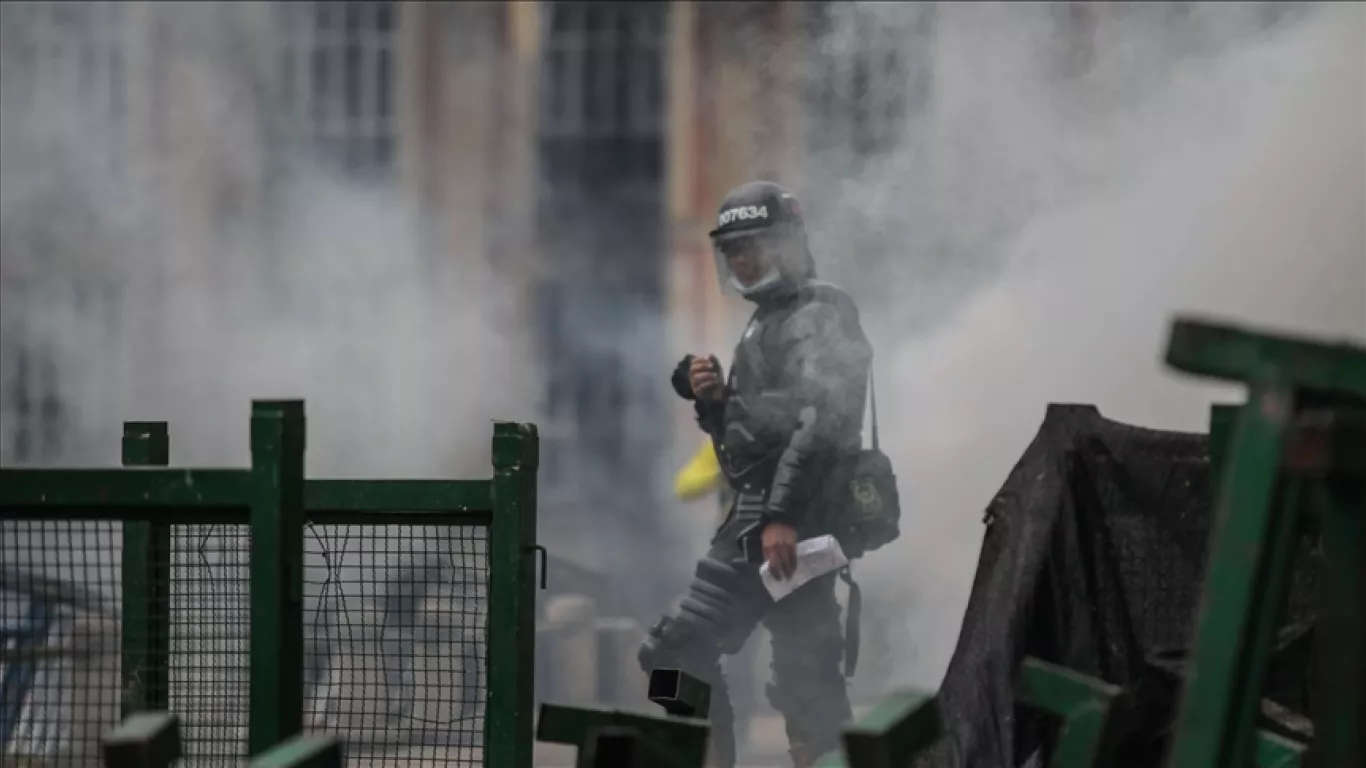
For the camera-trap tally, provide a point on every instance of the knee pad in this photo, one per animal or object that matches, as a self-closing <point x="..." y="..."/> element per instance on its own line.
<point x="725" y="601"/>
<point x="653" y="650"/>
<point x="723" y="604"/>
<point x="671" y="642"/>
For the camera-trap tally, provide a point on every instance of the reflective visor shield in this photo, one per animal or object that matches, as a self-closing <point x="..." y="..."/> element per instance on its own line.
<point x="747" y="261"/>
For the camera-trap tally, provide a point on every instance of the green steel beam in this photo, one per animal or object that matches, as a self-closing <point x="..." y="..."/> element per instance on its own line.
<point x="1277" y="751"/>
<point x="444" y="496"/>
<point x="1222" y="420"/>
<point x="683" y="738"/>
<point x="1235" y="354"/>
<point x="1253" y="538"/>
<point x="399" y="516"/>
<point x="143" y="740"/>
<point x="1299" y="431"/>
<point x="275" y="499"/>
<point x="615" y="739"/>
<point x="1340" y="724"/>
<point x="39" y="493"/>
<point x="303" y="751"/>
<point x="616" y="747"/>
<point x="277" y="556"/>
<point x="679" y="693"/>
<point x="1086" y="706"/>
<point x="146" y="585"/>
<point x="1328" y="442"/>
<point x="509" y="734"/>
<point x="196" y="495"/>
<point x="891" y="734"/>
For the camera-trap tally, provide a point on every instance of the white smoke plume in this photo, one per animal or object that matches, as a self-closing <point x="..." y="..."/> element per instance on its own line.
<point x="182" y="268"/>
<point x="1209" y="158"/>
<point x="1039" y="221"/>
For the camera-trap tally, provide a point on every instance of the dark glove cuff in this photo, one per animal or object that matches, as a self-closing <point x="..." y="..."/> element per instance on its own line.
<point x="703" y="409"/>
<point x="679" y="379"/>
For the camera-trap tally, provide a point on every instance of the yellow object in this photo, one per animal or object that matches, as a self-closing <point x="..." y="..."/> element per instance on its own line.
<point x="701" y="476"/>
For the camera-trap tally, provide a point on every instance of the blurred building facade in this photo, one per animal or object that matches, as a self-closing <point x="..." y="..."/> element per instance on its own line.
<point x="579" y="148"/>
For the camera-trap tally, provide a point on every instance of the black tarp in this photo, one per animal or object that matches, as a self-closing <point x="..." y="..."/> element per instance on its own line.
<point x="1093" y="558"/>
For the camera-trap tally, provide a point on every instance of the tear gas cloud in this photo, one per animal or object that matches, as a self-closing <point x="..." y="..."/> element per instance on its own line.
<point x="1039" y="227"/>
<point x="220" y="266"/>
<point x="1030" y="232"/>
<point x="169" y="255"/>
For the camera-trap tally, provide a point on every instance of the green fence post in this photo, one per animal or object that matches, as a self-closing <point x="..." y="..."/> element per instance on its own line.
<point x="143" y="740"/>
<point x="891" y="734"/>
<point x="1277" y="459"/>
<point x="684" y="739"/>
<point x="310" y="751"/>
<point x="1341" y="727"/>
<point x="146" y="584"/>
<point x="277" y="557"/>
<point x="1274" y="751"/>
<point x="1222" y="419"/>
<point x="679" y="693"/>
<point x="512" y="598"/>
<point x="1251" y="549"/>
<point x="1085" y="705"/>
<point x="619" y="747"/>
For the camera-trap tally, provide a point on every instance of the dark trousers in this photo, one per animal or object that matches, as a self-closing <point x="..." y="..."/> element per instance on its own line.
<point x="724" y="604"/>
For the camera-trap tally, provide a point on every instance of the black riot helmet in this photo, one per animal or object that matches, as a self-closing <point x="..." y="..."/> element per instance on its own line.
<point x="760" y="239"/>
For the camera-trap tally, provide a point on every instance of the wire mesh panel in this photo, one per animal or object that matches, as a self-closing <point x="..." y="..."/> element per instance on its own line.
<point x="59" y="671"/>
<point x="354" y="619"/>
<point x="210" y="631"/>
<point x="395" y="625"/>
<point x="396" y="646"/>
<point x="60" y="617"/>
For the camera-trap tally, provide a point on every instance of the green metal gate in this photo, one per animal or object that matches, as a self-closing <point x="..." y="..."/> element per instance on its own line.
<point x="254" y="604"/>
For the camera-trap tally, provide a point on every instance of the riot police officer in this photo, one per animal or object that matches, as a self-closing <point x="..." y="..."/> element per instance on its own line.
<point x="785" y="424"/>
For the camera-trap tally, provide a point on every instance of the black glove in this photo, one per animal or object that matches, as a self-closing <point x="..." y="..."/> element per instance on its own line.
<point x="681" y="379"/>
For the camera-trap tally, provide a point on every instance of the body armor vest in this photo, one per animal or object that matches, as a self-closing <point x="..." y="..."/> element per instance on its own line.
<point x="762" y="410"/>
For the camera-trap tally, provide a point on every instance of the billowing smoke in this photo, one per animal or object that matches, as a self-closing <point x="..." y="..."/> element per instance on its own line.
<point x="179" y="236"/>
<point x="173" y="261"/>
<point x="1053" y="204"/>
<point x="1021" y="239"/>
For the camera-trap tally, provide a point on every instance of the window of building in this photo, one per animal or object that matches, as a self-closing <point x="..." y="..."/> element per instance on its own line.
<point x="66" y="60"/>
<point x="870" y="74"/>
<point x="600" y="223"/>
<point x="63" y="96"/>
<point x="339" y="80"/>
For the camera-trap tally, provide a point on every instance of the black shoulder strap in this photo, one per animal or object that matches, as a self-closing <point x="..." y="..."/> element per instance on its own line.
<point x="851" y="621"/>
<point x="872" y="402"/>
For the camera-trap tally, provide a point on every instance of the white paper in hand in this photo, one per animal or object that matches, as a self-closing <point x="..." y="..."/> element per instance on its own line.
<point x="815" y="558"/>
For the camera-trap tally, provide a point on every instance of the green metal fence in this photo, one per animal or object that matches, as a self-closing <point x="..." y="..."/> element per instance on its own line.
<point x="1289" y="463"/>
<point x="254" y="604"/>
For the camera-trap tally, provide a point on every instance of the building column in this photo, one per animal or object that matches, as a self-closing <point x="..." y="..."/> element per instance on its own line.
<point x="513" y="164"/>
<point x="692" y="304"/>
<point x="411" y="104"/>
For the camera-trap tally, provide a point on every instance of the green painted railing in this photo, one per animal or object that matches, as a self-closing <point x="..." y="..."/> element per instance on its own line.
<point x="272" y="500"/>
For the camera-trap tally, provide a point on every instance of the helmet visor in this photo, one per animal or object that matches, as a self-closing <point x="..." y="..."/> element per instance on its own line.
<point x="747" y="261"/>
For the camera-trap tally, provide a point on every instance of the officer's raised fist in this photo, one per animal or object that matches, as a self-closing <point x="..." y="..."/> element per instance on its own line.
<point x="704" y="373"/>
